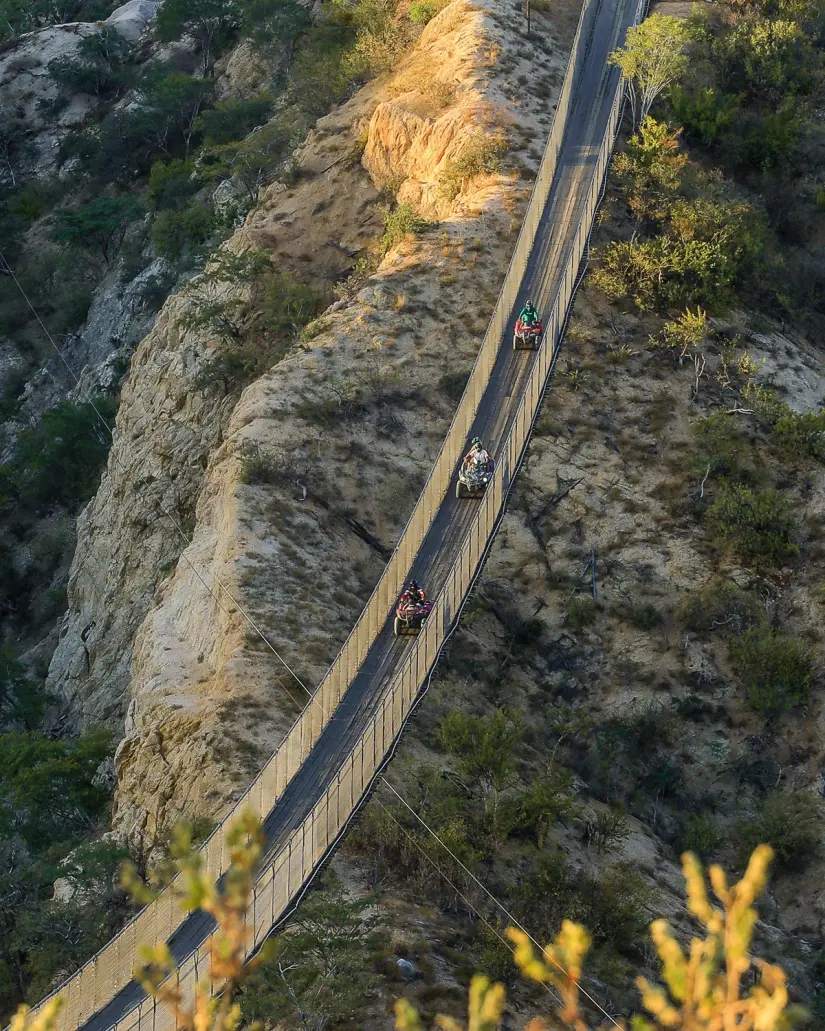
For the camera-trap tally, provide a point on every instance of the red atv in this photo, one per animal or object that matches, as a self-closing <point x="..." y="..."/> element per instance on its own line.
<point x="527" y="338"/>
<point x="410" y="615"/>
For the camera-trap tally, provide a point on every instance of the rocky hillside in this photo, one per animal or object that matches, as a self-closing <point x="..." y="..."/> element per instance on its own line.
<point x="253" y="417"/>
<point x="273" y="484"/>
<point x="331" y="212"/>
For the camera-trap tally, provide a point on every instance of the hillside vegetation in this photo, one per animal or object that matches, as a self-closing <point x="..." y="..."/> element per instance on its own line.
<point x="639" y="671"/>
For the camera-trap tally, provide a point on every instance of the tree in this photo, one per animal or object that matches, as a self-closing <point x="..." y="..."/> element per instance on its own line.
<point x="319" y="972"/>
<point x="234" y="119"/>
<point x="46" y="790"/>
<point x="253" y="160"/>
<point x="205" y="20"/>
<point x="59" y="460"/>
<point x="169" y="106"/>
<point x="22" y="702"/>
<point x="485" y="747"/>
<point x="97" y="66"/>
<point x="215" y="307"/>
<point x="651" y="169"/>
<point x="266" y="21"/>
<point x="17" y="152"/>
<point x="651" y="59"/>
<point x="98" y="226"/>
<point x="172" y="184"/>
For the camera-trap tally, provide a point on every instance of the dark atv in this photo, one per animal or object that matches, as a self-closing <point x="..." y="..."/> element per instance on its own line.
<point x="410" y="616"/>
<point x="473" y="480"/>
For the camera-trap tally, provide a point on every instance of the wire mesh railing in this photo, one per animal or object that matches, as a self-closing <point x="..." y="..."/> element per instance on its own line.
<point x="95" y="984"/>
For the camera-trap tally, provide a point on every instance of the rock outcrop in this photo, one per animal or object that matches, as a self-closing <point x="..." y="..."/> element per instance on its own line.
<point x="30" y="93"/>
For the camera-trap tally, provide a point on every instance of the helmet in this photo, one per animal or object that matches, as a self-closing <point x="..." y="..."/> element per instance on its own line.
<point x="413" y="585"/>
<point x="476" y="442"/>
<point x="529" y="304"/>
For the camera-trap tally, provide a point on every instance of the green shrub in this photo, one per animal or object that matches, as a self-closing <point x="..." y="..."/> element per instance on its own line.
<point x="172" y="183"/>
<point x="609" y="829"/>
<point x="759" y="526"/>
<point x="267" y="21"/>
<point x="71" y="307"/>
<point x="380" y="39"/>
<point x="97" y="227"/>
<point x="238" y="363"/>
<point x="800" y="435"/>
<point x="643" y="615"/>
<point x="319" y="73"/>
<point x="721" y="605"/>
<point x="768" y="139"/>
<point x="177" y="232"/>
<point x="261" y="468"/>
<point x="777" y="671"/>
<point x="723" y="450"/>
<point x="614" y="908"/>
<point x="97" y="66"/>
<point x="158" y="122"/>
<point x="34" y="199"/>
<point x="321" y="969"/>
<point x="287" y="306"/>
<point x="485" y="747"/>
<point x="254" y="160"/>
<point x="234" y="119"/>
<point x="532" y="812"/>
<point x="422" y="11"/>
<point x="581" y="611"/>
<point x="791" y="823"/>
<point x="701" y="835"/>
<point x="650" y="169"/>
<point x="705" y="113"/>
<point x="400" y="223"/>
<point x="46" y="791"/>
<point x="22" y="701"/>
<point x="706" y="250"/>
<point x="480" y="155"/>
<point x="208" y="22"/>
<point x="393" y="842"/>
<point x="686" y="331"/>
<point x="59" y="461"/>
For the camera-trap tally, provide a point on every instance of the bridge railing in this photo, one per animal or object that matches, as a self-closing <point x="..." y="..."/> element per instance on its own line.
<point x="282" y="881"/>
<point x="99" y="980"/>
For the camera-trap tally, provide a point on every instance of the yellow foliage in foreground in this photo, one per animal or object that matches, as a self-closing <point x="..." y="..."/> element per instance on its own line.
<point x="702" y="990"/>
<point x="702" y="987"/>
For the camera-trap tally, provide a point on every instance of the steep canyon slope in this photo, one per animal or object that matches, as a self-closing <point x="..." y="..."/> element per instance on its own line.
<point x="294" y="496"/>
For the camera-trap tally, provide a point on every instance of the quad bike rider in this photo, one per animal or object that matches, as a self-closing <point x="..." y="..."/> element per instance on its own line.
<point x="529" y="328"/>
<point x="411" y="611"/>
<point x="475" y="472"/>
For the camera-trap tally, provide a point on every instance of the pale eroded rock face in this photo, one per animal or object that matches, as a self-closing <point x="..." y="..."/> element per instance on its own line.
<point x="244" y="73"/>
<point x="27" y="88"/>
<point x="165" y="431"/>
<point x="133" y="18"/>
<point x="355" y="415"/>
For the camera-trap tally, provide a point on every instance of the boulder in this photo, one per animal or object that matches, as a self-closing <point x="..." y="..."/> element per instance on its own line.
<point x="133" y="18"/>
